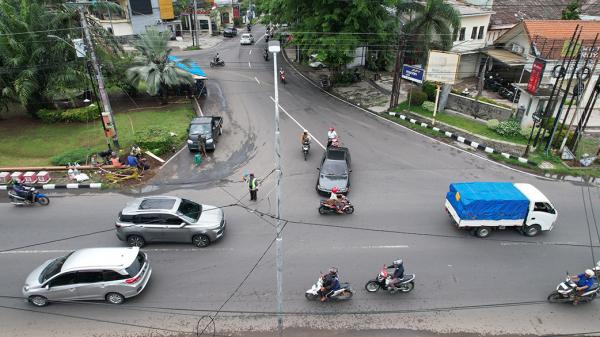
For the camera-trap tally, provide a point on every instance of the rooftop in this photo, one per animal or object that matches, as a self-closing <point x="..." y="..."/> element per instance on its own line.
<point x="100" y="257"/>
<point x="513" y="11"/>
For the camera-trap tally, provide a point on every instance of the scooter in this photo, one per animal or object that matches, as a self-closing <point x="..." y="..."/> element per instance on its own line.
<point x="305" y="149"/>
<point x="249" y="28"/>
<point x="38" y="198"/>
<point x="565" y="292"/>
<point x="217" y="63"/>
<point x="404" y="285"/>
<point x="326" y="208"/>
<point x="282" y="76"/>
<point x="344" y="293"/>
<point x="266" y="55"/>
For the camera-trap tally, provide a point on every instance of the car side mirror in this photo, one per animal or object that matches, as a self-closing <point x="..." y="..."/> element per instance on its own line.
<point x="47" y="286"/>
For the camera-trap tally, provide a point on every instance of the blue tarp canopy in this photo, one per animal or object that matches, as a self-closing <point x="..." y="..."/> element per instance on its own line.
<point x="193" y="68"/>
<point x="488" y="201"/>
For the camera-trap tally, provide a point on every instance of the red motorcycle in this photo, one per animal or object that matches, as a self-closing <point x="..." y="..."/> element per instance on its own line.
<point x="327" y="207"/>
<point x="282" y="76"/>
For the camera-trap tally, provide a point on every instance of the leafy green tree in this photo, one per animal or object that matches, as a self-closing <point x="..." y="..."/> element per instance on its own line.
<point x="155" y="69"/>
<point x="572" y="11"/>
<point x="433" y="25"/>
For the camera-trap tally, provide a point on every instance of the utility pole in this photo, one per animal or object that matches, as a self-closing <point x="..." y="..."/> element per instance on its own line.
<point x="195" y="31"/>
<point x="99" y="78"/>
<point x="275" y="48"/>
<point x="397" y="68"/>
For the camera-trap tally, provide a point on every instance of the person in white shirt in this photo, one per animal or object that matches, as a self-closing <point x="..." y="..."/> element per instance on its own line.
<point x="331" y="135"/>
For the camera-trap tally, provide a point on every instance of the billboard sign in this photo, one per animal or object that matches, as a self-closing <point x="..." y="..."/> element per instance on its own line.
<point x="442" y="67"/>
<point x="413" y="73"/>
<point x="537" y="71"/>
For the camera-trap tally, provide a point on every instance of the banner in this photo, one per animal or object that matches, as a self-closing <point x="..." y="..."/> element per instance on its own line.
<point x="537" y="71"/>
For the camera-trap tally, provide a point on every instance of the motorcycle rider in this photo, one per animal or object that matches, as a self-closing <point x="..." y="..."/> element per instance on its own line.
<point x="266" y="53"/>
<point x="305" y="137"/>
<point x="398" y="274"/>
<point x="217" y="59"/>
<point x="331" y="283"/>
<point x="281" y="73"/>
<point x="22" y="190"/>
<point x="331" y="135"/>
<point x="584" y="282"/>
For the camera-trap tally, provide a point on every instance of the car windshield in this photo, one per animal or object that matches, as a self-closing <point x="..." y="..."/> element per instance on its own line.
<point x="199" y="129"/>
<point x="53" y="268"/>
<point x="246" y="36"/>
<point x="190" y="210"/>
<point x="334" y="168"/>
<point x="136" y="265"/>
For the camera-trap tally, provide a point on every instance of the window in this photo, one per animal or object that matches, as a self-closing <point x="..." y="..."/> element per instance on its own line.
<point x="190" y="209"/>
<point x="146" y="219"/>
<point x="168" y="219"/>
<point x="53" y="268"/>
<point x="203" y="24"/>
<point x="136" y="265"/>
<point x="89" y="277"/>
<point x="481" y="30"/>
<point x="543" y="207"/>
<point x="473" y="33"/>
<point x="63" y="280"/>
<point x="461" y="34"/>
<point x="109" y="275"/>
<point x="140" y="7"/>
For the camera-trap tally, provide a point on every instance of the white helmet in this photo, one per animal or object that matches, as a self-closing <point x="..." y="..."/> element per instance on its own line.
<point x="397" y="262"/>
<point x="589" y="272"/>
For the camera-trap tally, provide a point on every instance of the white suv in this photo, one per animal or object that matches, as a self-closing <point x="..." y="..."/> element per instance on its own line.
<point x="110" y="274"/>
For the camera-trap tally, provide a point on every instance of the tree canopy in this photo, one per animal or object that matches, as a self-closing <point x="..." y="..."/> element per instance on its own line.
<point x="572" y="11"/>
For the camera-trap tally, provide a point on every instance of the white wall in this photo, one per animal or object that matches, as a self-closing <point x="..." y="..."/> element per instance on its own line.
<point x="469" y="22"/>
<point x="468" y="65"/>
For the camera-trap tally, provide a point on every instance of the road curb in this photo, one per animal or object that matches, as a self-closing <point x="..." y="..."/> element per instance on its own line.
<point x="62" y="186"/>
<point x="461" y="139"/>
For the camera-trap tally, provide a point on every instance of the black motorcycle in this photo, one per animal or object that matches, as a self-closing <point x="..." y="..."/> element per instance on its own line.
<point x="305" y="149"/>
<point x="404" y="285"/>
<point x="249" y="28"/>
<point x="217" y="63"/>
<point x="266" y="55"/>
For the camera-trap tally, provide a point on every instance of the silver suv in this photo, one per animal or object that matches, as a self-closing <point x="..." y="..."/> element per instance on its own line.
<point x="110" y="274"/>
<point x="169" y="219"/>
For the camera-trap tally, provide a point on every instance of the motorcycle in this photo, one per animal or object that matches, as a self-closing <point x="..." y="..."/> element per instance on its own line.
<point x="38" y="198"/>
<point x="266" y="55"/>
<point x="404" y="285"/>
<point x="344" y="293"/>
<point x="565" y="292"/>
<point x="217" y="63"/>
<point x="282" y="76"/>
<point x="305" y="148"/>
<point x="249" y="28"/>
<point x="326" y="208"/>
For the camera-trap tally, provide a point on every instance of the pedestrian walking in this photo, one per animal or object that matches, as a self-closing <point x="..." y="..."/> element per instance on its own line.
<point x="252" y="186"/>
<point x="202" y="144"/>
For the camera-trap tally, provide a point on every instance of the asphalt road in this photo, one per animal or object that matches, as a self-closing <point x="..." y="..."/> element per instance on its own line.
<point x="464" y="284"/>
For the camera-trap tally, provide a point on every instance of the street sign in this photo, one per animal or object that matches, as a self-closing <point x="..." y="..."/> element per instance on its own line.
<point x="442" y="67"/>
<point x="412" y="73"/>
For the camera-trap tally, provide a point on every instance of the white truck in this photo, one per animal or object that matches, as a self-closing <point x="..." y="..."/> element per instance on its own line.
<point x="484" y="206"/>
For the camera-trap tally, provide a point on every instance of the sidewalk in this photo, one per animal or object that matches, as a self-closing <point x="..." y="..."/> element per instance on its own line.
<point x="205" y="41"/>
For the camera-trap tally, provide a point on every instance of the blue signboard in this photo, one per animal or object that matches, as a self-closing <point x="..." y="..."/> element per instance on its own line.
<point x="412" y="73"/>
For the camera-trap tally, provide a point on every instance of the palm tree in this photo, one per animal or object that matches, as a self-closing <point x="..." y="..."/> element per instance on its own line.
<point x="155" y="69"/>
<point x="433" y="25"/>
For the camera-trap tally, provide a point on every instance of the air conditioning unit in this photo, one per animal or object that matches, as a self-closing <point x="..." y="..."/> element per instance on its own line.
<point x="517" y="49"/>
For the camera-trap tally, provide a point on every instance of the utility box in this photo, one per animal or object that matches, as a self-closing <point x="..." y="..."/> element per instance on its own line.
<point x="4" y="177"/>
<point x="43" y="177"/>
<point x="30" y="177"/>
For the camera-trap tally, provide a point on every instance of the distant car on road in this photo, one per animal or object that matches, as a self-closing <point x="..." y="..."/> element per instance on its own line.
<point x="111" y="274"/>
<point x="169" y="219"/>
<point x="229" y="31"/>
<point x="334" y="171"/>
<point x="246" y="39"/>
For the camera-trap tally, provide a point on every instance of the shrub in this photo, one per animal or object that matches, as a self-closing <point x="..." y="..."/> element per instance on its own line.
<point x="492" y="124"/>
<point x="428" y="105"/>
<point x="430" y="89"/>
<point x="525" y="132"/>
<point x="417" y="97"/>
<point x="237" y="21"/>
<point x="49" y="115"/>
<point x="83" y="114"/>
<point x="79" y="155"/>
<point x="156" y="140"/>
<point x="509" y="128"/>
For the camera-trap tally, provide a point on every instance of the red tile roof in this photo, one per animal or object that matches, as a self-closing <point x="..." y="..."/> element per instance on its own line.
<point x="550" y="36"/>
<point x="512" y="11"/>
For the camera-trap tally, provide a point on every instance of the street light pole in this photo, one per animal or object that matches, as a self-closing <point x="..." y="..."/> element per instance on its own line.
<point x="275" y="48"/>
<point x="99" y="78"/>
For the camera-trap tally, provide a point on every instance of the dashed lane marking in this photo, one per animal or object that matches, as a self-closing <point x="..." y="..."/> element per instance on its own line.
<point x="300" y="125"/>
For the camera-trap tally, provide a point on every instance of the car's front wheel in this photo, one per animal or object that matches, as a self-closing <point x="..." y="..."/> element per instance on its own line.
<point x="115" y="298"/>
<point x="38" y="301"/>
<point x="136" y="241"/>
<point x="201" y="240"/>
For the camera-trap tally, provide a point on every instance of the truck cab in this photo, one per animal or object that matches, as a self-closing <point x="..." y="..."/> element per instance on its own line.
<point x="542" y="215"/>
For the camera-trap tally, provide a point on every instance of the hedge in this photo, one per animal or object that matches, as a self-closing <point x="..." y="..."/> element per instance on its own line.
<point x="79" y="155"/>
<point x="157" y="140"/>
<point x="83" y="114"/>
<point x="417" y="97"/>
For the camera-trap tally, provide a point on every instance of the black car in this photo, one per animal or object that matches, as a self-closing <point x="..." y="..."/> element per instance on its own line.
<point x="334" y="171"/>
<point x="229" y="31"/>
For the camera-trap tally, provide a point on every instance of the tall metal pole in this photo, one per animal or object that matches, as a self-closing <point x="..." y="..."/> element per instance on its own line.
<point x="195" y="31"/>
<point x="99" y="77"/>
<point x="279" y="239"/>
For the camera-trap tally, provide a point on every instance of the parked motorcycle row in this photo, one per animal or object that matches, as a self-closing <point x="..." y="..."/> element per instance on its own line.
<point x="503" y="87"/>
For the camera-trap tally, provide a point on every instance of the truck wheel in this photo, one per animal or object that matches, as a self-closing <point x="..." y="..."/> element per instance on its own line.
<point x="483" y="232"/>
<point x="532" y="230"/>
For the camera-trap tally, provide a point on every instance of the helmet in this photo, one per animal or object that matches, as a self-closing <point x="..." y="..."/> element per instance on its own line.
<point x="397" y="262"/>
<point x="334" y="190"/>
<point x="589" y="272"/>
<point x="305" y="132"/>
<point x="331" y="129"/>
<point x="333" y="270"/>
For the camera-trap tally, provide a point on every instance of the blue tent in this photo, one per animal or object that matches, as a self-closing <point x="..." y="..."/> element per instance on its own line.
<point x="193" y="68"/>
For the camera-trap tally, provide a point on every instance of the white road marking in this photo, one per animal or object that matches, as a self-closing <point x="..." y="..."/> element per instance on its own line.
<point x="56" y="251"/>
<point x="249" y="65"/>
<point x="383" y="247"/>
<point x="250" y="52"/>
<point x="176" y="154"/>
<point x="257" y="81"/>
<point x="300" y="125"/>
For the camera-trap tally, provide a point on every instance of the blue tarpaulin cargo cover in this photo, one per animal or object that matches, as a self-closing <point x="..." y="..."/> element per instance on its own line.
<point x="191" y="67"/>
<point x="487" y="201"/>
